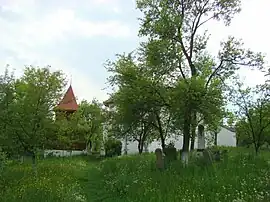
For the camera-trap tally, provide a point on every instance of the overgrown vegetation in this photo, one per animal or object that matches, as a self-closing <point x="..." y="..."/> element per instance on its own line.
<point x="169" y="86"/>
<point x="244" y="177"/>
<point x="113" y="147"/>
<point x="56" y="181"/>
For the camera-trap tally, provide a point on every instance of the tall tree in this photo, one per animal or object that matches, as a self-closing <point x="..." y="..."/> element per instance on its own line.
<point x="83" y="127"/>
<point x="90" y="122"/>
<point x="36" y="94"/>
<point x="178" y="43"/>
<point x="7" y="92"/>
<point x="138" y="97"/>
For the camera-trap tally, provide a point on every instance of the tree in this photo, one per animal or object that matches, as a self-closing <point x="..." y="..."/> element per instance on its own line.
<point x="253" y="109"/>
<point x="36" y="93"/>
<point x="7" y="92"/>
<point x="140" y="130"/>
<point x="138" y="98"/>
<point x="177" y="48"/>
<point x="90" y="119"/>
<point x="66" y="133"/>
<point x="82" y="127"/>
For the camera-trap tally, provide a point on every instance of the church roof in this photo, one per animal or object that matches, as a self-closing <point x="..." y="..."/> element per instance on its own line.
<point x="68" y="103"/>
<point x="108" y="102"/>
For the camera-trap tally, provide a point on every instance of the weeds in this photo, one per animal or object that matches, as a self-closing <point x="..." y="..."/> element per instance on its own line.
<point x="243" y="177"/>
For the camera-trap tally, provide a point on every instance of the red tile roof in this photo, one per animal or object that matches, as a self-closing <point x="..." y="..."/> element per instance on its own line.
<point x="68" y="103"/>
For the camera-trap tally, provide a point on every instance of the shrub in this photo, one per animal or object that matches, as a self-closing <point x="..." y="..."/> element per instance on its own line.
<point x="113" y="147"/>
<point x="3" y="162"/>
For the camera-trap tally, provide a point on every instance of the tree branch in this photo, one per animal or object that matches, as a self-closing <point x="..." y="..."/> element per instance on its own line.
<point x="195" y="26"/>
<point x="214" y="73"/>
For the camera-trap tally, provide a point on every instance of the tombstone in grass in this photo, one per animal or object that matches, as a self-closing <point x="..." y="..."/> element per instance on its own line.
<point x="170" y="153"/>
<point x="102" y="150"/>
<point x="201" y="138"/>
<point x="216" y="155"/>
<point x="224" y="155"/>
<point x="159" y="159"/>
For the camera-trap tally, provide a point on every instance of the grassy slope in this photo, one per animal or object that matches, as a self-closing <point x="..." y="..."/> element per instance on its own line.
<point x="134" y="178"/>
<point x="58" y="180"/>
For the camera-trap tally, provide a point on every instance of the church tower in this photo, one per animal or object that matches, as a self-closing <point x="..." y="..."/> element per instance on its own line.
<point x="68" y="105"/>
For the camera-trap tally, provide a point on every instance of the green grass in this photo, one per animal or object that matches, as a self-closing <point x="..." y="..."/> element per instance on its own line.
<point x="134" y="178"/>
<point x="57" y="180"/>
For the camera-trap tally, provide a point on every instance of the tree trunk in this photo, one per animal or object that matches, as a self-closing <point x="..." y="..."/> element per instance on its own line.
<point x="161" y="134"/>
<point x="201" y="137"/>
<point x="163" y="145"/>
<point x="257" y="147"/>
<point x="126" y="144"/>
<point x="186" y="133"/>
<point x="193" y="135"/>
<point x="215" y="141"/>
<point x="89" y="147"/>
<point x="193" y="130"/>
<point x="141" y="142"/>
<point x="140" y="147"/>
<point x="34" y="164"/>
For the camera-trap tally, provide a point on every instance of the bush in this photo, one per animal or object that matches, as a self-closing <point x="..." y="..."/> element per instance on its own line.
<point x="113" y="147"/>
<point x="3" y="163"/>
<point x="3" y="160"/>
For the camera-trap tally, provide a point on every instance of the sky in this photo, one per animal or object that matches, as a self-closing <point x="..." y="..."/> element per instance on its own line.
<point x="78" y="37"/>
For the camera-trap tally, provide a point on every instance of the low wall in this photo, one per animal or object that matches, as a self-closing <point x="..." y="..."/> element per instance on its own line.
<point x="63" y="153"/>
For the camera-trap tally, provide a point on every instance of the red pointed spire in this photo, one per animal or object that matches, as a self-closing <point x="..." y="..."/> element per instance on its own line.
<point x="68" y="103"/>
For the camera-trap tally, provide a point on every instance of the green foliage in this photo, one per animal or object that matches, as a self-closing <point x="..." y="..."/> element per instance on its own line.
<point x="57" y="181"/>
<point x="134" y="178"/>
<point x="176" y="53"/>
<point x="83" y="127"/>
<point x="28" y="107"/>
<point x="66" y="133"/>
<point x="253" y="125"/>
<point x="91" y="117"/>
<point x="139" y="103"/>
<point x="113" y="147"/>
<point x="7" y="89"/>
<point x="3" y="164"/>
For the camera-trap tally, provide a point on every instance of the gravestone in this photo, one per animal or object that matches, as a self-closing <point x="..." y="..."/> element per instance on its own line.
<point x="216" y="155"/>
<point x="102" y="149"/>
<point x="207" y="157"/>
<point x="224" y="155"/>
<point x="201" y="138"/>
<point x="204" y="154"/>
<point x="159" y="159"/>
<point x="201" y="141"/>
<point x="170" y="153"/>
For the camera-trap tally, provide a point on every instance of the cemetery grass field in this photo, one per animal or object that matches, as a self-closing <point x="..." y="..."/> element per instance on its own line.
<point x="243" y="178"/>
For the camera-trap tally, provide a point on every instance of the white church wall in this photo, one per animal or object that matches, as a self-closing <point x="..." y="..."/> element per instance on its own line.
<point x="63" y="153"/>
<point x="225" y="138"/>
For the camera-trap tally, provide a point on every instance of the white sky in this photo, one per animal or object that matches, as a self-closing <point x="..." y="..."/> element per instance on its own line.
<point x="251" y="25"/>
<point x="32" y="36"/>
